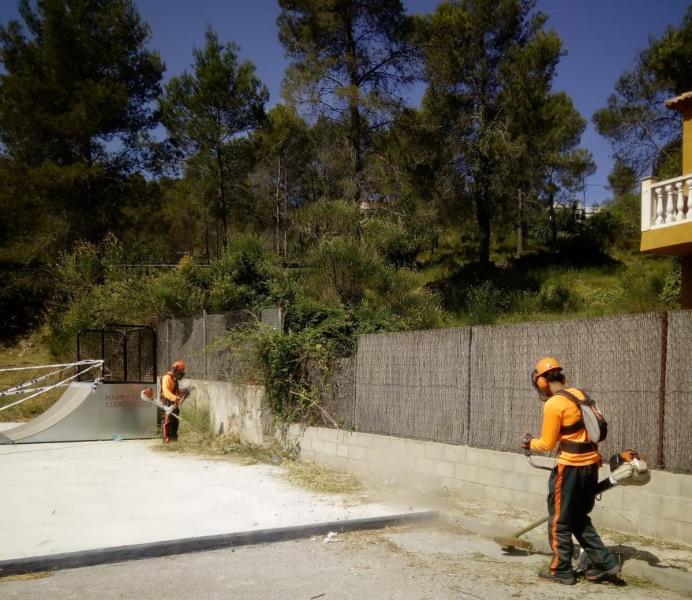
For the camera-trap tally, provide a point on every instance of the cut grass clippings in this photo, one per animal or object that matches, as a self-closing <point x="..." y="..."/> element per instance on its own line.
<point x="26" y="576"/>
<point x="316" y="478"/>
<point x="197" y="438"/>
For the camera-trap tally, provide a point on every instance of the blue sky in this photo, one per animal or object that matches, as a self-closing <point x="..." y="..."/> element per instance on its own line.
<point x="601" y="37"/>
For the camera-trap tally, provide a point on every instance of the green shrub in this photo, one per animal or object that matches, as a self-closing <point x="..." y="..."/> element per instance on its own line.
<point x="398" y="242"/>
<point x="671" y="292"/>
<point x="554" y="297"/>
<point x="643" y="283"/>
<point x="485" y="301"/>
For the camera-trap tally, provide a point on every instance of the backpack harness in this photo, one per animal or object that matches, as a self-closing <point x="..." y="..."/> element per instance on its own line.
<point x="591" y="419"/>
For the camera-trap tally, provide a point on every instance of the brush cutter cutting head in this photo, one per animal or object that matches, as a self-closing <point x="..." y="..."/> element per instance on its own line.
<point x="514" y="542"/>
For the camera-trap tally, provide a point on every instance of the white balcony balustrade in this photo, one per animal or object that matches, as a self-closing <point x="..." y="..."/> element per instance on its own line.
<point x="666" y="203"/>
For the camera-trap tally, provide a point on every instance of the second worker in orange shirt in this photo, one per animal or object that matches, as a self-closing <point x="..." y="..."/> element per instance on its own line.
<point x="172" y="396"/>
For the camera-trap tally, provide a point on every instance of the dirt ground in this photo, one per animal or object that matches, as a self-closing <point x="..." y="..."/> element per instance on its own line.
<point x="401" y="563"/>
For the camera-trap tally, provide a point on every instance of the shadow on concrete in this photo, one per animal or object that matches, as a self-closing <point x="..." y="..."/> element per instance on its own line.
<point x="625" y="553"/>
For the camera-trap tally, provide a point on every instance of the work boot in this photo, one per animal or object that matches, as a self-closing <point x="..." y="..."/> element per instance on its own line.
<point x="596" y="574"/>
<point x="548" y="575"/>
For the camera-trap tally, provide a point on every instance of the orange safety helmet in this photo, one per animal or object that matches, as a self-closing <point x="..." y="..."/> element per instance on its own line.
<point x="543" y="366"/>
<point x="178" y="365"/>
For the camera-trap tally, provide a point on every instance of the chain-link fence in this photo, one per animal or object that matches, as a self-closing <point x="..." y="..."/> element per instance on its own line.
<point x="199" y="343"/>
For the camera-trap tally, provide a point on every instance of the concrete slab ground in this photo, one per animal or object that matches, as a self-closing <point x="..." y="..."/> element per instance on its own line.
<point x="400" y="564"/>
<point x="69" y="497"/>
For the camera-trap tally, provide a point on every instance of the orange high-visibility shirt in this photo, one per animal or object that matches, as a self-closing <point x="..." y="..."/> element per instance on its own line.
<point x="559" y="412"/>
<point x="169" y="388"/>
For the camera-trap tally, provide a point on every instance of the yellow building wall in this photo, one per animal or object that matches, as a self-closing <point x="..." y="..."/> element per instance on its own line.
<point x="687" y="141"/>
<point x="675" y="240"/>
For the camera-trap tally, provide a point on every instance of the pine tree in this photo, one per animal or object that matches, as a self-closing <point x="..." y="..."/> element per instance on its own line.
<point x="349" y="61"/>
<point x="208" y="112"/>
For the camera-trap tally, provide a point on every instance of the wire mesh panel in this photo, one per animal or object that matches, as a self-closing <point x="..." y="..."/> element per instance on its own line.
<point x="223" y="363"/>
<point x="198" y="342"/>
<point x="616" y="360"/>
<point x="274" y="317"/>
<point x="414" y="384"/>
<point x="128" y="353"/>
<point x="678" y="406"/>
<point x="186" y="339"/>
<point x="163" y="345"/>
<point x="141" y="354"/>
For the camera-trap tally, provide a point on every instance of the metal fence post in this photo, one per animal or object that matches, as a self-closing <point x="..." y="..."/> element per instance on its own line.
<point x="204" y="341"/>
<point x="168" y="343"/>
<point x="662" y="392"/>
<point x="467" y="433"/>
<point x="355" y="387"/>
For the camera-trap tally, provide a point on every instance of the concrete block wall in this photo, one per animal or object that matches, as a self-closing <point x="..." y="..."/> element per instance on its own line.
<point x="662" y="509"/>
<point x="234" y="408"/>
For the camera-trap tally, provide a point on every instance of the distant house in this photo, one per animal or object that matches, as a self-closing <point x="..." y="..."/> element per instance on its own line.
<point x="579" y="208"/>
<point x="667" y="206"/>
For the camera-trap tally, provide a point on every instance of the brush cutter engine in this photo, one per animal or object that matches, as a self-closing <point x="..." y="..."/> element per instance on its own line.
<point x="627" y="468"/>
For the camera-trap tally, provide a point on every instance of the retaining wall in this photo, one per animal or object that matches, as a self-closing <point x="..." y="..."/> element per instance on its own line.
<point x="662" y="509"/>
<point x="234" y="408"/>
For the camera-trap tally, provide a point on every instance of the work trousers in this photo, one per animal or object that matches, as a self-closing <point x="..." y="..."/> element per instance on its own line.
<point x="170" y="423"/>
<point x="571" y="497"/>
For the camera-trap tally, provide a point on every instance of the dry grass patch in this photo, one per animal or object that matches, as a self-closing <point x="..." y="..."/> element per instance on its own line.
<point x="27" y="576"/>
<point x="317" y="478"/>
<point x="197" y="438"/>
<point x="29" y="352"/>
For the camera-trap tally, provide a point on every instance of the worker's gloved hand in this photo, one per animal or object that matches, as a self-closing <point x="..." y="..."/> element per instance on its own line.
<point x="526" y="442"/>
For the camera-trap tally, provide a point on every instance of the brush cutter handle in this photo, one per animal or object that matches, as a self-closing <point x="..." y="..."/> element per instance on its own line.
<point x="533" y="464"/>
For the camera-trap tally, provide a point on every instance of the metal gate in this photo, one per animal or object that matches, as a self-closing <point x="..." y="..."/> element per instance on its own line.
<point x="128" y="352"/>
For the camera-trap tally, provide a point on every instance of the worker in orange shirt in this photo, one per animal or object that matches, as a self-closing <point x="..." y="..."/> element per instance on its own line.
<point x="572" y="484"/>
<point x="171" y="395"/>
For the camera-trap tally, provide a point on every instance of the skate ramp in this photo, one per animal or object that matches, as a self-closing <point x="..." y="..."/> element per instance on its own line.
<point x="88" y="412"/>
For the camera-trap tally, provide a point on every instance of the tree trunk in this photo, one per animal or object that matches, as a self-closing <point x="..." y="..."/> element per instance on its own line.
<point x="483" y="220"/>
<point x="222" y="198"/>
<point x="277" y="200"/>
<point x="355" y="124"/>
<point x="206" y="241"/>
<point x="520" y="226"/>
<point x="284" y="217"/>
<point x="553" y="220"/>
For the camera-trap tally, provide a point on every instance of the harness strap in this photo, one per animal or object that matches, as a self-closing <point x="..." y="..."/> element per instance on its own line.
<point x="577" y="447"/>
<point x="573" y="428"/>
<point x="578" y="425"/>
<point x="573" y="398"/>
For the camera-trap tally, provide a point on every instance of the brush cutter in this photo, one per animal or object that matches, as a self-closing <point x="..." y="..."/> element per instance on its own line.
<point x="626" y="468"/>
<point x="147" y="395"/>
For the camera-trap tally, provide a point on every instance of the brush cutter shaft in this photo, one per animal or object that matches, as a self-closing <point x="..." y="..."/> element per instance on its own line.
<point x="530" y="527"/>
<point x="513" y="540"/>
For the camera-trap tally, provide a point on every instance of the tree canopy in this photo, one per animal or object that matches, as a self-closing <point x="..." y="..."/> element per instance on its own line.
<point x="644" y="134"/>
